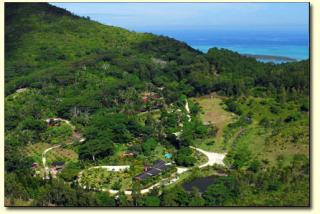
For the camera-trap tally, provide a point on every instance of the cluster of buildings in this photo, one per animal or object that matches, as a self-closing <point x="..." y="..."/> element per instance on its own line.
<point x="152" y="98"/>
<point x="55" y="168"/>
<point x="54" y="121"/>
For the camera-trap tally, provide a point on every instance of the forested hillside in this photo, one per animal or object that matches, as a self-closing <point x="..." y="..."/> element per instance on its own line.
<point x="124" y="91"/>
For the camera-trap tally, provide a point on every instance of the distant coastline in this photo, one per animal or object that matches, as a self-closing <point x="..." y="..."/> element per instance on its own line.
<point x="264" y="52"/>
<point x="266" y="58"/>
<point x="270" y="57"/>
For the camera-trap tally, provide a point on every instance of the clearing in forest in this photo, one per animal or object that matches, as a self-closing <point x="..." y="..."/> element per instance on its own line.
<point x="214" y="112"/>
<point x="59" y="154"/>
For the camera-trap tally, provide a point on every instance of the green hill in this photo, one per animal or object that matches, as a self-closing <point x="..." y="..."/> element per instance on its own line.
<point x="45" y="44"/>
<point x="41" y="38"/>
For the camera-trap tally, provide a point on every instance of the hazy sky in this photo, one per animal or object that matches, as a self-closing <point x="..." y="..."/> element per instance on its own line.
<point x="230" y="16"/>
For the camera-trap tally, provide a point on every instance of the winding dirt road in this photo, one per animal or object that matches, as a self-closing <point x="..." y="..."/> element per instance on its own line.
<point x="74" y="135"/>
<point x="213" y="158"/>
<point x="44" y="161"/>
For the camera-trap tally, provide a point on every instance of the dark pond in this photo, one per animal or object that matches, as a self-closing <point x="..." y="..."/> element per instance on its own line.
<point x="200" y="183"/>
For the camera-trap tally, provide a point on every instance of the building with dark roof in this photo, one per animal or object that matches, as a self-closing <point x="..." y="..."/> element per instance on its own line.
<point x="154" y="171"/>
<point x="158" y="167"/>
<point x="58" y="165"/>
<point x="163" y="167"/>
<point x="158" y="164"/>
<point x="34" y="165"/>
<point x="142" y="176"/>
<point x="53" y="122"/>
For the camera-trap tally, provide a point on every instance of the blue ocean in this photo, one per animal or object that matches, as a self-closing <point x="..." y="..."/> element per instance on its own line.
<point x="236" y="30"/>
<point x="292" y="44"/>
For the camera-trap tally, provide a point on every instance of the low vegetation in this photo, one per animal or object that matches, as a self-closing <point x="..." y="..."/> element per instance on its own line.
<point x="103" y="179"/>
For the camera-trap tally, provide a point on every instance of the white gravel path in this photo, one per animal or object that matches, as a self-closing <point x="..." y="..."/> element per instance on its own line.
<point x="188" y="110"/>
<point x="61" y="119"/>
<point x="112" y="168"/>
<point x="213" y="157"/>
<point x="181" y="170"/>
<point x="44" y="160"/>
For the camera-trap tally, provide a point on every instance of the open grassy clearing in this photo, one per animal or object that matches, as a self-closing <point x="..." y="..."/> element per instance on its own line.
<point x="264" y="141"/>
<point x="119" y="149"/>
<point x="258" y="138"/>
<point x="58" y="154"/>
<point x="35" y="151"/>
<point x="61" y="154"/>
<point x="214" y="112"/>
<point x="285" y="151"/>
<point x="209" y="144"/>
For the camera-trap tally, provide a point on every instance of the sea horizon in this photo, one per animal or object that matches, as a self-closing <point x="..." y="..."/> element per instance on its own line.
<point x="272" y="38"/>
<point x="293" y="44"/>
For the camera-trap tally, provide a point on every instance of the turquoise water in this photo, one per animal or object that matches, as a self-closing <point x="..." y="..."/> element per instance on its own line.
<point x="298" y="52"/>
<point x="264" y="40"/>
<point x="292" y="44"/>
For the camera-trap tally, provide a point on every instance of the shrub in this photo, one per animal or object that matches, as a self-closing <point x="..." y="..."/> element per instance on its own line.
<point x="184" y="157"/>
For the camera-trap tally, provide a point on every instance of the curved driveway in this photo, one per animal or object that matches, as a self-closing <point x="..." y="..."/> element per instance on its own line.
<point x="213" y="157"/>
